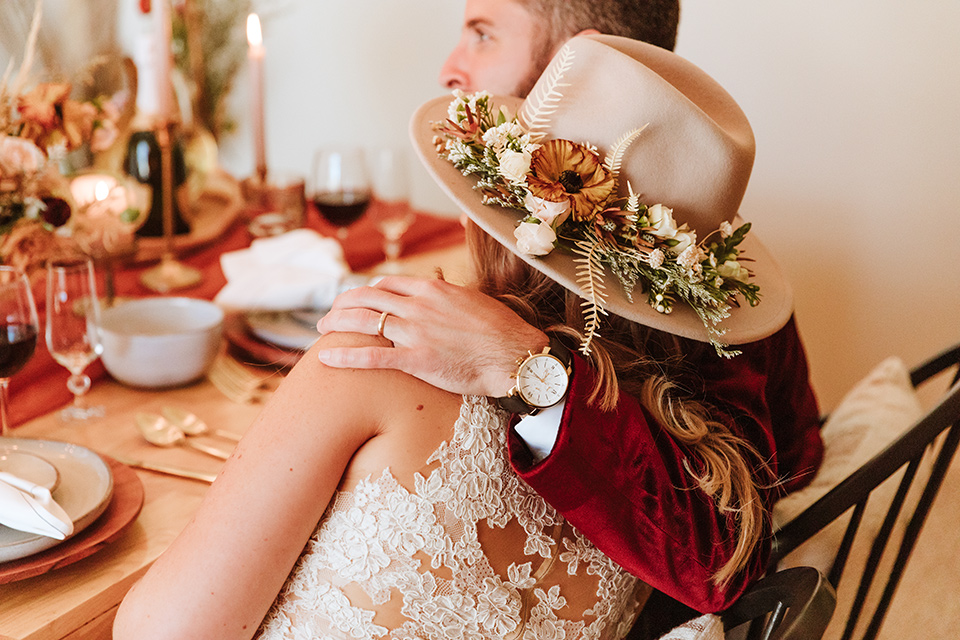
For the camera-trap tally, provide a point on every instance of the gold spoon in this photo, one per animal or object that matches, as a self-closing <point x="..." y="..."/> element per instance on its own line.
<point x="157" y="430"/>
<point x="192" y="425"/>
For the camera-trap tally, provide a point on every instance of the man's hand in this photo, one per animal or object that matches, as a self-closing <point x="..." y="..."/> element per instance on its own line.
<point x="452" y="337"/>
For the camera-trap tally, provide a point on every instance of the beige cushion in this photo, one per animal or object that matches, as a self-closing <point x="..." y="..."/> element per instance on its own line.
<point x="706" y="627"/>
<point x="877" y="410"/>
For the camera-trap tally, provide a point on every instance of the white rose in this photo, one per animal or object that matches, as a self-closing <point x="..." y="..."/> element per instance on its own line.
<point x="534" y="239"/>
<point x="685" y="239"/>
<point x="733" y="270"/>
<point x="18" y="155"/>
<point x="661" y="218"/>
<point x="514" y="165"/>
<point x="553" y="213"/>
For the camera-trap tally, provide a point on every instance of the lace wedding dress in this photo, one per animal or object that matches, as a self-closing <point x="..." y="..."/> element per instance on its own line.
<point x="470" y="553"/>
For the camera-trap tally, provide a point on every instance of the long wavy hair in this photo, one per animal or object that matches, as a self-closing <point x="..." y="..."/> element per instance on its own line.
<point x="640" y="361"/>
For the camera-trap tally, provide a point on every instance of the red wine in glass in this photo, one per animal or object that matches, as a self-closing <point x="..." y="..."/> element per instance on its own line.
<point x="18" y="331"/>
<point x="17" y="343"/>
<point x="342" y="208"/>
<point x="341" y="186"/>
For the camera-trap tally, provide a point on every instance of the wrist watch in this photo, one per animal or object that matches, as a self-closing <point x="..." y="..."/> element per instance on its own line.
<point x="542" y="380"/>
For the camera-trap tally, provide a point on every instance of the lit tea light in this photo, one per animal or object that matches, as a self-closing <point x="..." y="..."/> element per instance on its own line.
<point x="99" y="195"/>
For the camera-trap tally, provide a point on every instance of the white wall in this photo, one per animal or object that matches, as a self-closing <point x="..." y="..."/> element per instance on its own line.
<point x="856" y="110"/>
<point x="855" y="106"/>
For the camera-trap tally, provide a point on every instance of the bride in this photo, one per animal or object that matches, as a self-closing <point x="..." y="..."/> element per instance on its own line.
<point x="369" y="504"/>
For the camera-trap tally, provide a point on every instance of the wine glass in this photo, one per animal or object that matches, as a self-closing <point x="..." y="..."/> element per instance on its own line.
<point x="392" y="211"/>
<point x="73" y="328"/>
<point x="20" y="327"/>
<point x="341" y="187"/>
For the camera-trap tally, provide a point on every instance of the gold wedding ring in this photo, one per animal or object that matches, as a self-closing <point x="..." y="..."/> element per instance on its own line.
<point x="383" y="321"/>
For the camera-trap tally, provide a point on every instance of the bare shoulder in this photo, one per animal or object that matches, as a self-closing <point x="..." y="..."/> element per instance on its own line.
<point x="383" y="394"/>
<point x="412" y="417"/>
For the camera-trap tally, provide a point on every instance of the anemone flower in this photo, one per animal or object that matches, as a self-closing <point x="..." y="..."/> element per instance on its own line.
<point x="563" y="170"/>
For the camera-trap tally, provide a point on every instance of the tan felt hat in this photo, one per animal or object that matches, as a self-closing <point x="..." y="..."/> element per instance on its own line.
<point x="694" y="155"/>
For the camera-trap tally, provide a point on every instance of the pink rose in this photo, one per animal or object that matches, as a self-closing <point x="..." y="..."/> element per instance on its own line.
<point x="19" y="156"/>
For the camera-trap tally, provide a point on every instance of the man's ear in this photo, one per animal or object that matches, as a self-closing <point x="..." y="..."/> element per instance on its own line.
<point x="585" y="32"/>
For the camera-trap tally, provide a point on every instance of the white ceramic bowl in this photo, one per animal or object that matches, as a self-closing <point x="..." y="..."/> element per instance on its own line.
<point x="160" y="342"/>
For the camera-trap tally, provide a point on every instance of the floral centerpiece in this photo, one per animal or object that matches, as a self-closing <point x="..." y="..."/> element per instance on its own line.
<point x="38" y="126"/>
<point x="569" y="197"/>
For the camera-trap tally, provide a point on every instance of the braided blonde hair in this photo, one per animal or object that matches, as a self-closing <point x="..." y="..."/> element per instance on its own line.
<point x="638" y="360"/>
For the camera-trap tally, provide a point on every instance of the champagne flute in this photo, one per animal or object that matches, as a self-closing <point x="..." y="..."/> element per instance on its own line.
<point x="392" y="211"/>
<point x="341" y="187"/>
<point x="18" y="338"/>
<point x="73" y="328"/>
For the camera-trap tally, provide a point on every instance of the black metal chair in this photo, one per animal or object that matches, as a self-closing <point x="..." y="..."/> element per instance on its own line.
<point x="792" y="604"/>
<point x="922" y="441"/>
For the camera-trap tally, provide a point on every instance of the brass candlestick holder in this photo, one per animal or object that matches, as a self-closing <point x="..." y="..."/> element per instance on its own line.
<point x="170" y="274"/>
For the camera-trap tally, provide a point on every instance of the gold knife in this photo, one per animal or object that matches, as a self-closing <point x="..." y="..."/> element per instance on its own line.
<point x="167" y="469"/>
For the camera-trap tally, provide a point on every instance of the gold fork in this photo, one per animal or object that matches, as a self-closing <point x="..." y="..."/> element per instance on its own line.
<point x="236" y="381"/>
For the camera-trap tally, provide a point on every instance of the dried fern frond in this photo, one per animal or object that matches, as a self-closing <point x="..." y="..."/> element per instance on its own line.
<point x="615" y="156"/>
<point x="590" y="281"/>
<point x="633" y="202"/>
<point x="538" y="108"/>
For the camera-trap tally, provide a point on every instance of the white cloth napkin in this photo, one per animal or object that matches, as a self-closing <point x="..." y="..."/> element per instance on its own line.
<point x="299" y="269"/>
<point x="26" y="506"/>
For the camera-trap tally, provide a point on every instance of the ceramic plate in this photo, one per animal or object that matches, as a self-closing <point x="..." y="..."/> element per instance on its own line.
<point x="29" y="467"/>
<point x="297" y="328"/>
<point x="287" y="329"/>
<point x="84" y="491"/>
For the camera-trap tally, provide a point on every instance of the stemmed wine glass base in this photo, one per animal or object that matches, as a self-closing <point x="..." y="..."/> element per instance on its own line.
<point x="74" y="413"/>
<point x="169" y="275"/>
<point x="78" y="384"/>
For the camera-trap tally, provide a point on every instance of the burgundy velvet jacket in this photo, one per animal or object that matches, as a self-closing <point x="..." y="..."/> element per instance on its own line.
<point x="619" y="478"/>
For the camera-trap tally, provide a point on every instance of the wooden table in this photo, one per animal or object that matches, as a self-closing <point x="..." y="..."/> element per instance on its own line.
<point x="80" y="601"/>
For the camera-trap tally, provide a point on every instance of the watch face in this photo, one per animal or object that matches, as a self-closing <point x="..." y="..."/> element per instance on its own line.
<point x="542" y="381"/>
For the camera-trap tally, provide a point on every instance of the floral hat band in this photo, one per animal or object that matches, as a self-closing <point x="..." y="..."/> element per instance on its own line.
<point x="620" y="177"/>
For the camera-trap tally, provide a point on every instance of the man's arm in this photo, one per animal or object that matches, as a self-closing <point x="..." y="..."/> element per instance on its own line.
<point x="621" y="480"/>
<point x="616" y="475"/>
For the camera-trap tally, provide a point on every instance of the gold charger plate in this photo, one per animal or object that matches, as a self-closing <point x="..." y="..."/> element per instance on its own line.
<point x="209" y="217"/>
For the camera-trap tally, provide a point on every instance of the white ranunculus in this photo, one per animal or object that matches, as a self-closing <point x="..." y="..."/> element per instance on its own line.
<point x="534" y="239"/>
<point x="661" y="219"/>
<point x="514" y="165"/>
<point x="553" y="213"/>
<point x="733" y="270"/>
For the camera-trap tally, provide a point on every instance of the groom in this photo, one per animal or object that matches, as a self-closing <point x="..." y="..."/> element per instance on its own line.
<point x="465" y="342"/>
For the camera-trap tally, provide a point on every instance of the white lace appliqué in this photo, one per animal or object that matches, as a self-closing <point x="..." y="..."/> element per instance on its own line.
<point x="420" y="553"/>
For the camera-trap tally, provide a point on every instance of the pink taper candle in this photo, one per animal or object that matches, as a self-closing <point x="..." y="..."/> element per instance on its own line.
<point x="255" y="56"/>
<point x="164" y="30"/>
